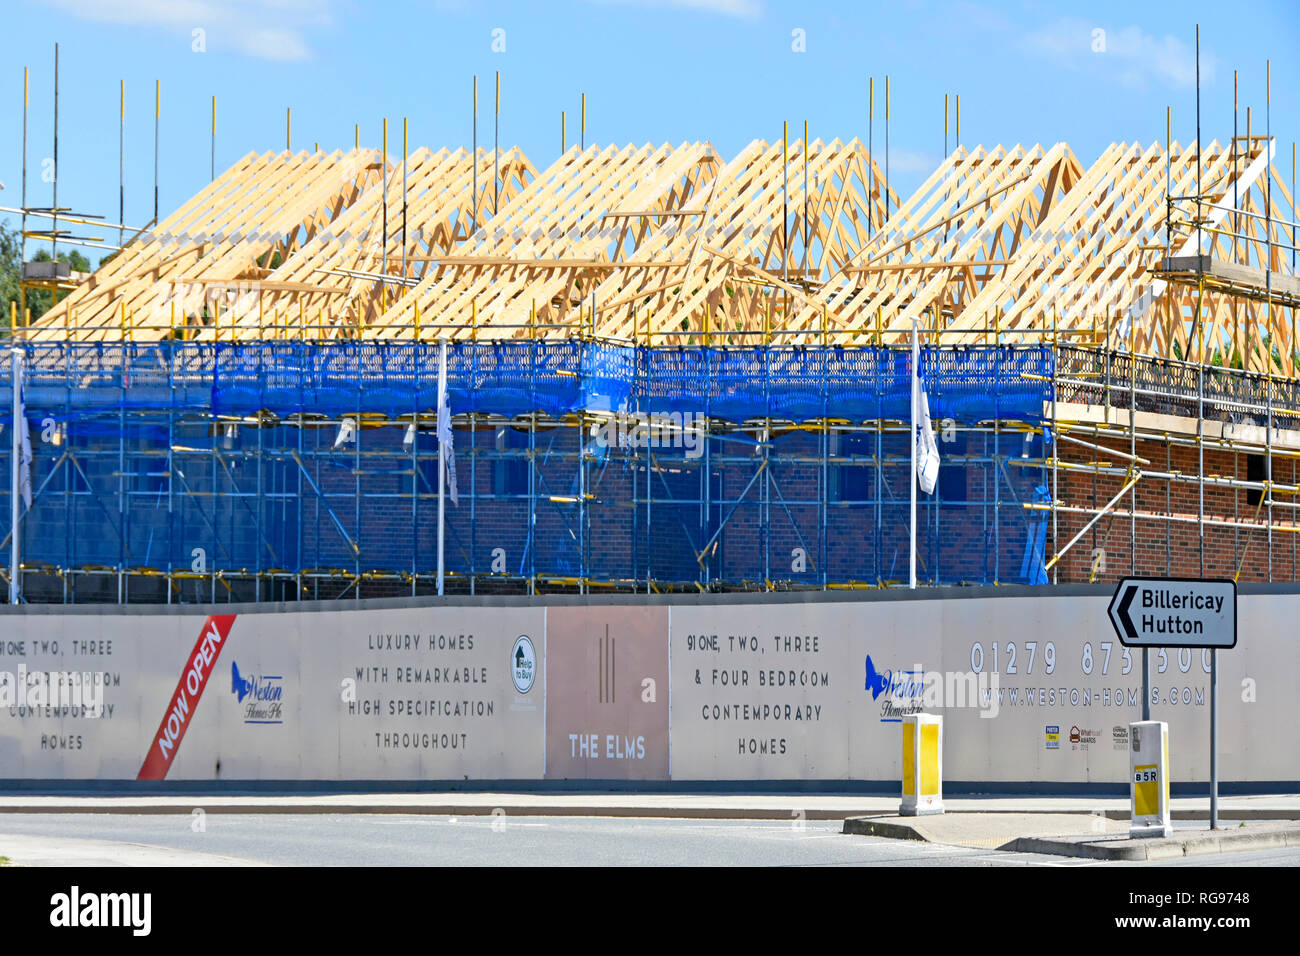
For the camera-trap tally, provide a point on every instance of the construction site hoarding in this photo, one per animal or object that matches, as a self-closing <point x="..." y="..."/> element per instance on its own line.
<point x="1034" y="691"/>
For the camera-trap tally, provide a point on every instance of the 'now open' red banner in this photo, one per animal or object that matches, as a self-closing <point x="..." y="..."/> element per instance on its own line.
<point x="185" y="700"/>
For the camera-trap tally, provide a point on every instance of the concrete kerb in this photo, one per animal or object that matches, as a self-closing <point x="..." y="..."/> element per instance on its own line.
<point x="893" y="829"/>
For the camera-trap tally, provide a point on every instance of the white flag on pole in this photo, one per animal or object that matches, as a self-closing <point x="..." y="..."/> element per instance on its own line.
<point x="445" y="445"/>
<point x="25" y="441"/>
<point x="927" y="449"/>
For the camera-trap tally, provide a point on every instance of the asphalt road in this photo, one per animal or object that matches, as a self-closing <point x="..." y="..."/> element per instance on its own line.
<point x="402" y="840"/>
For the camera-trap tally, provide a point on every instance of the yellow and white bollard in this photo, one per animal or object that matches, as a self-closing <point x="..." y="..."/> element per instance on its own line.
<point x="1149" y="779"/>
<point x="922" y="765"/>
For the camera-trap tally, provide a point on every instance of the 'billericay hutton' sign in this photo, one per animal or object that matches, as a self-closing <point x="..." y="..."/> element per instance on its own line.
<point x="1175" y="612"/>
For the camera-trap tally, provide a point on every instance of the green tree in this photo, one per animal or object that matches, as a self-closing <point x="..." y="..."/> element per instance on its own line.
<point x="11" y="270"/>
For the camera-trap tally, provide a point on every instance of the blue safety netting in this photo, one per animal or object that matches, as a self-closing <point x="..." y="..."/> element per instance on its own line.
<point x="72" y="381"/>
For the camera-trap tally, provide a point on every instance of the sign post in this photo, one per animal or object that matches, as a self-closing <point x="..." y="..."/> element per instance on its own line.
<point x="1180" y="612"/>
<point x="1146" y="683"/>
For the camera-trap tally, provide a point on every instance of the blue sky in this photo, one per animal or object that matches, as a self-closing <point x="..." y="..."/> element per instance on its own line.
<point x="653" y="70"/>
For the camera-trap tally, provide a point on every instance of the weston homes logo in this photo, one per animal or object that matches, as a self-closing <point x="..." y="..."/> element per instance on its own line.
<point x="77" y="909"/>
<point x="199" y="666"/>
<point x="903" y="691"/>
<point x="261" y="695"/>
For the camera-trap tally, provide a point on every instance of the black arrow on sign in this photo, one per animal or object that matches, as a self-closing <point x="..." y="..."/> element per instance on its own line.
<point x="1122" y="610"/>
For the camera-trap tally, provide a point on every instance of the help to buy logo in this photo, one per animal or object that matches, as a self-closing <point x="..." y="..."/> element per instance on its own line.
<point x="185" y="700"/>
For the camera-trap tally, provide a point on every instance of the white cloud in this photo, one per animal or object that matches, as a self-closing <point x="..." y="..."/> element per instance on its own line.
<point x="908" y="161"/>
<point x="1128" y="55"/>
<point x="263" y="29"/>
<point x="965" y="15"/>
<point x="748" y="9"/>
<point x="284" y="45"/>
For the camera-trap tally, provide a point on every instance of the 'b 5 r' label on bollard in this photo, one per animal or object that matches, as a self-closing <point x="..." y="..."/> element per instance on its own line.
<point x="1149" y="779"/>
<point x="1146" y="791"/>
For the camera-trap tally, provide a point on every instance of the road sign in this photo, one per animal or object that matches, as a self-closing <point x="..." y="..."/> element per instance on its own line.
<point x="1175" y="612"/>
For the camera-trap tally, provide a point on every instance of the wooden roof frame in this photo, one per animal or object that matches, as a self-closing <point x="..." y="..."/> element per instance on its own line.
<point x="674" y="245"/>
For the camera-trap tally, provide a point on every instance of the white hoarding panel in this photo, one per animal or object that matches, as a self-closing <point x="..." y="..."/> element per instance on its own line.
<point x="1032" y="689"/>
<point x="409" y="694"/>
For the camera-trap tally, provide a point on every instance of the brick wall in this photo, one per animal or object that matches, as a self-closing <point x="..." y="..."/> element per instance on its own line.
<point x="1150" y="545"/>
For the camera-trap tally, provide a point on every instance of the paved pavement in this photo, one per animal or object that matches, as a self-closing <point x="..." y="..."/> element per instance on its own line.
<point x="1092" y="836"/>
<point x="986" y="830"/>
<point x="42" y="850"/>
<point x="329" y="839"/>
<point x="785" y="807"/>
